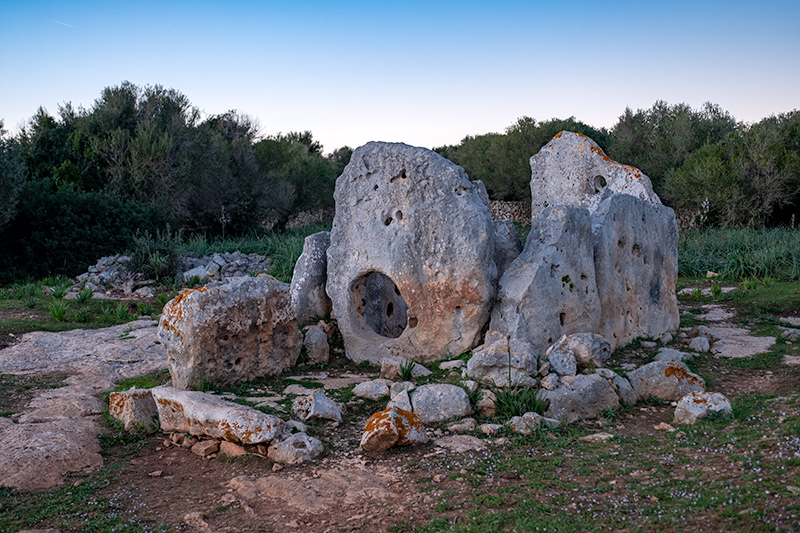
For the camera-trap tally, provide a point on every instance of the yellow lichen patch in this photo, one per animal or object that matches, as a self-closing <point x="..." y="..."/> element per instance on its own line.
<point x="598" y="151"/>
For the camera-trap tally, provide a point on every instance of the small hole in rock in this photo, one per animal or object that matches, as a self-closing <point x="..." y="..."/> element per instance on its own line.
<point x="562" y="317"/>
<point x="387" y="221"/>
<point x="238" y="361"/>
<point x="399" y="215"/>
<point x="412" y="322"/>
<point x="599" y="183"/>
<point x="389" y="309"/>
<point x="375" y="188"/>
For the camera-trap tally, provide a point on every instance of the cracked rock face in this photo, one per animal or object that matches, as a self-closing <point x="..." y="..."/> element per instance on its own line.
<point x="411" y="267"/>
<point x="573" y="170"/>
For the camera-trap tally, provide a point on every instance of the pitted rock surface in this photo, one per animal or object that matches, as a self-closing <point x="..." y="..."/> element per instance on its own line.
<point x="573" y="170"/>
<point x="230" y="333"/>
<point x="411" y="268"/>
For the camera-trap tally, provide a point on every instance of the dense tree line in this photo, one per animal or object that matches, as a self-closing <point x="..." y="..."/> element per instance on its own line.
<point x="698" y="160"/>
<point x="79" y="185"/>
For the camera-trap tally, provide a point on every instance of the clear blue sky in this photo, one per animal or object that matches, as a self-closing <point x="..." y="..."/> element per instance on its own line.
<point x="425" y="73"/>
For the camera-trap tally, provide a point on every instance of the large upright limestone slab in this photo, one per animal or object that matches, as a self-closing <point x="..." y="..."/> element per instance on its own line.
<point x="309" y="298"/>
<point x="230" y="333"/>
<point x="636" y="268"/>
<point x="549" y="290"/>
<point x="410" y="267"/>
<point x="573" y="170"/>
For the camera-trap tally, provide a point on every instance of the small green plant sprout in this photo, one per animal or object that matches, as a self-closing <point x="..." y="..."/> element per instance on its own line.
<point x="83" y="316"/>
<point x="716" y="289"/>
<point x="767" y="281"/>
<point x="127" y="334"/>
<point x="406" y="370"/>
<point x="31" y="302"/>
<point x="749" y="283"/>
<point x="566" y="280"/>
<point x="163" y="298"/>
<point x="145" y="309"/>
<point x="193" y="281"/>
<point x="697" y="293"/>
<point x="121" y="311"/>
<point x="59" y="291"/>
<point x="85" y="295"/>
<point x="58" y="310"/>
<point x="516" y="401"/>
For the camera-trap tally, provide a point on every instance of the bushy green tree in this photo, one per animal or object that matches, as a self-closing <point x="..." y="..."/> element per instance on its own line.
<point x="12" y="177"/>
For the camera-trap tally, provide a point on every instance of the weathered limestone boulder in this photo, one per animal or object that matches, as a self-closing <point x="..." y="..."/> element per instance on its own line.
<point x="581" y="397"/>
<point x="134" y="408"/>
<point x="295" y="449"/>
<point x="494" y="362"/>
<point x="401" y="400"/>
<point x="670" y="354"/>
<point x="561" y="359"/>
<point x="588" y="349"/>
<point x="392" y="427"/>
<point x="205" y="415"/>
<point x="372" y="390"/>
<point x="666" y="380"/>
<point x="697" y="405"/>
<point x="309" y="298"/>
<point x="699" y="344"/>
<point x="636" y="268"/>
<point x="549" y="290"/>
<point x="318" y="406"/>
<point x="411" y="268"/>
<point x="573" y="170"/>
<point x="315" y="341"/>
<point x="507" y="245"/>
<point x="438" y="402"/>
<point x="230" y="333"/>
<point x="622" y="386"/>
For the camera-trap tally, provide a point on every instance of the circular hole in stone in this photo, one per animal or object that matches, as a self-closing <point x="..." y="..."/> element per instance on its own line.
<point x="399" y="215"/>
<point x="383" y="310"/>
<point x="599" y="183"/>
<point x="387" y="221"/>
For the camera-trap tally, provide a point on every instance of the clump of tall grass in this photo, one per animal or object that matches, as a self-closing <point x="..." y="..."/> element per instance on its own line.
<point x="737" y="254"/>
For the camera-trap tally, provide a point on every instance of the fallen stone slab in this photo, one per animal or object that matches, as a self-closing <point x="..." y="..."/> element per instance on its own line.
<point x="205" y="415"/>
<point x="392" y="427"/>
<point x="697" y="405"/>
<point x="739" y="346"/>
<point x="670" y="354"/>
<point x="230" y="333"/>
<point x="69" y="402"/>
<point x="666" y="380"/>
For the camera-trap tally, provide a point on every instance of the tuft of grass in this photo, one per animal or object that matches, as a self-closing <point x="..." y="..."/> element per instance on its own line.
<point x="58" y="310"/>
<point x="406" y="370"/>
<point x="85" y="295"/>
<point x="516" y="401"/>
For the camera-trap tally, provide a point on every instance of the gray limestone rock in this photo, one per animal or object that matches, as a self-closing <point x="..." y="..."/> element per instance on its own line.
<point x="316" y="344"/>
<point x="581" y="397"/>
<point x="134" y="408"/>
<point x="697" y="405"/>
<point x="401" y="400"/>
<point x="391" y="366"/>
<point x="621" y="385"/>
<point x="372" y="390"/>
<point x="507" y="245"/>
<point x="572" y="170"/>
<point x="636" y="268"/>
<point x="295" y="449"/>
<point x="699" y="344"/>
<point x="411" y="268"/>
<point x="493" y="363"/>
<point x="549" y="290"/>
<point x="439" y="402"/>
<point x="317" y="406"/>
<point x="562" y="360"/>
<point x="309" y="298"/>
<point x="666" y="380"/>
<point x="230" y="333"/>
<point x="670" y="354"/>
<point x="588" y="349"/>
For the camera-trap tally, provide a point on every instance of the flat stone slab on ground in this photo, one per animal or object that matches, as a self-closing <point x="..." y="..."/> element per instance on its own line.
<point x="739" y="346"/>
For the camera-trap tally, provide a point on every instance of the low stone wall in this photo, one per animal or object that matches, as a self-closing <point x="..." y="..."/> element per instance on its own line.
<point x="516" y="211"/>
<point x="321" y="215"/>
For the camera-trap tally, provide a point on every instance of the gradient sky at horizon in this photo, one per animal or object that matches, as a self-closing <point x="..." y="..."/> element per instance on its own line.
<point x="423" y="73"/>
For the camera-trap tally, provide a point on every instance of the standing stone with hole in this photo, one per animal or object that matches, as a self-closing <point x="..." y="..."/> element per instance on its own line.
<point x="411" y="268"/>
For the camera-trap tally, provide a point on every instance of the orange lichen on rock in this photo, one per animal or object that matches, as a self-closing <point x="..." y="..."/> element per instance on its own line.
<point x="679" y="373"/>
<point x="392" y="427"/>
